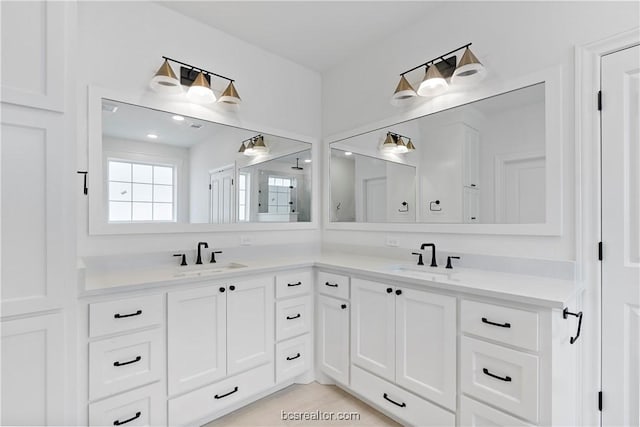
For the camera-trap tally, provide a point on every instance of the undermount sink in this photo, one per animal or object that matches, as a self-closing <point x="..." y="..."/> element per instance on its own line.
<point x="420" y="270"/>
<point x="205" y="270"/>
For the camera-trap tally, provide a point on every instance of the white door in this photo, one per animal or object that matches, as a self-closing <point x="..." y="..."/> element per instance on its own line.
<point x="196" y="337"/>
<point x="222" y="195"/>
<point x="621" y="238"/>
<point x="373" y="330"/>
<point x="250" y="324"/>
<point x="375" y="200"/>
<point x="426" y="345"/>
<point x="333" y="338"/>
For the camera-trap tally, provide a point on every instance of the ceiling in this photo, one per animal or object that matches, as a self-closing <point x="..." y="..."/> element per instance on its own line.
<point x="315" y="34"/>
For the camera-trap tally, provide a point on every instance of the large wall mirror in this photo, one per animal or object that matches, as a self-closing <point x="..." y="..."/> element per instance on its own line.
<point x="491" y="162"/>
<point x="165" y="171"/>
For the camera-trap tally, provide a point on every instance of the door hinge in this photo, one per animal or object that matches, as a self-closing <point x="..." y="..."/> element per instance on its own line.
<point x="600" y="401"/>
<point x="599" y="251"/>
<point x="599" y="100"/>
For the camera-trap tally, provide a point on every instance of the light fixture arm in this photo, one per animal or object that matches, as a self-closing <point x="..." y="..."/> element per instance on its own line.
<point x="432" y="61"/>
<point x="198" y="69"/>
<point x="397" y="135"/>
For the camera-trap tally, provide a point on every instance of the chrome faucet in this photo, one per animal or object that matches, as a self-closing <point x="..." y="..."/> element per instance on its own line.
<point x="433" y="252"/>
<point x="200" y="244"/>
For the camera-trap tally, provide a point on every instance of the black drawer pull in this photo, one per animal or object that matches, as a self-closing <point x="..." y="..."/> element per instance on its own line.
<point x="294" y="284"/>
<point x="227" y="394"/>
<point x="335" y="285"/>
<point x="294" y="357"/>
<point x="402" y="405"/>
<point x="502" y="325"/>
<point x="135" y="417"/>
<point x="122" y="316"/>
<point x="506" y="379"/>
<point x="343" y="306"/>
<point x="137" y="359"/>
<point x="293" y="317"/>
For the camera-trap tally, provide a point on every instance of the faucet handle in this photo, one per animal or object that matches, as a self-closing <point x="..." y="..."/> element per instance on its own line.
<point x="184" y="258"/>
<point x="449" y="258"/>
<point x="213" y="256"/>
<point x="420" y="262"/>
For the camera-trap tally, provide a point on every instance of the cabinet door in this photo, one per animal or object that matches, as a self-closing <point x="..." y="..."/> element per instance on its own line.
<point x="426" y="345"/>
<point x="471" y="158"/>
<point x="250" y="319"/>
<point x="33" y="373"/>
<point x="471" y="206"/>
<point x="196" y="337"/>
<point x="333" y="338"/>
<point x="373" y="327"/>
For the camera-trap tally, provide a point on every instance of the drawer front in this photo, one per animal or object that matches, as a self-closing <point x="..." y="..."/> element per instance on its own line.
<point x="500" y="376"/>
<point x="142" y="407"/>
<point x="293" y="283"/>
<point x="335" y="285"/>
<point x="124" y="315"/>
<point x="207" y="401"/>
<point x="293" y="357"/>
<point x="404" y="405"/>
<point x="475" y="414"/>
<point x="508" y="325"/>
<point x="124" y="362"/>
<point x="293" y="317"/>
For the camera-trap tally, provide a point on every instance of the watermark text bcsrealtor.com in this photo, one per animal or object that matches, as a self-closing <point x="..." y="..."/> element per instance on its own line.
<point x="319" y="416"/>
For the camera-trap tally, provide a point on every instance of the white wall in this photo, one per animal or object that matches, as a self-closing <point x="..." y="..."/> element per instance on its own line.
<point x="512" y="39"/>
<point x="120" y="45"/>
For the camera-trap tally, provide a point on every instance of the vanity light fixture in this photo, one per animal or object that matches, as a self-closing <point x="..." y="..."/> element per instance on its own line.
<point x="198" y="80"/>
<point x="152" y="136"/>
<point x="348" y="153"/>
<point x="394" y="144"/>
<point x="258" y="145"/>
<point x="410" y="146"/>
<point x="438" y="71"/>
<point x="389" y="145"/>
<point x="401" y="147"/>
<point x="254" y="146"/>
<point x="178" y="118"/>
<point x="307" y="160"/>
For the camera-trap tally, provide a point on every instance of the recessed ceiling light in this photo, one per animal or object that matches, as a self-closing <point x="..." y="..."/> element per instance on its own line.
<point x="152" y="136"/>
<point x="348" y="153"/>
<point x="195" y="126"/>
<point x="178" y="118"/>
<point x="110" y="108"/>
<point x="307" y="160"/>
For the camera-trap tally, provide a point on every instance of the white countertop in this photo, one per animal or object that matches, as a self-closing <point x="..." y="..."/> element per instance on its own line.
<point x="540" y="291"/>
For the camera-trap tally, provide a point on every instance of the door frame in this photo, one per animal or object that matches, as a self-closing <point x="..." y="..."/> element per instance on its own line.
<point x="588" y="200"/>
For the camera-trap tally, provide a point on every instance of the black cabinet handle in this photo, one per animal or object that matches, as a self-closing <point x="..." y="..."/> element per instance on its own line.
<point x="118" y="363"/>
<point x="122" y="316"/>
<point x="566" y="313"/>
<point x="221" y="289"/>
<point x="343" y="306"/>
<point x="135" y="417"/>
<point x="232" y="288"/>
<point x="398" y="292"/>
<point x="293" y="317"/>
<point x="389" y="290"/>
<point x="227" y="394"/>
<point x="502" y="325"/>
<point x="473" y="185"/>
<point x="294" y="284"/>
<point x="294" y="357"/>
<point x="402" y="405"/>
<point x="486" y="372"/>
<point x="335" y="285"/>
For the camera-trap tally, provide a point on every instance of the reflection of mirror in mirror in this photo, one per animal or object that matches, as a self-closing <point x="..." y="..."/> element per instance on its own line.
<point x="163" y="167"/>
<point x="483" y="162"/>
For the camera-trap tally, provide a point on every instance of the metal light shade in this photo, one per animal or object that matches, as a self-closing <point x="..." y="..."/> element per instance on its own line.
<point x="230" y="95"/>
<point x="404" y="91"/>
<point x="165" y="80"/>
<point x="433" y="83"/>
<point x="469" y="71"/>
<point x="259" y="147"/>
<point x="410" y="146"/>
<point x="250" y="151"/>
<point x="389" y="145"/>
<point x="401" y="148"/>
<point x="242" y="148"/>
<point x="200" y="92"/>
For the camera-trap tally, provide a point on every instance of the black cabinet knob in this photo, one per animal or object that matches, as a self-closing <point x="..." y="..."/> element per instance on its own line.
<point x="343" y="306"/>
<point x="389" y="290"/>
<point x="221" y="289"/>
<point x="232" y="288"/>
<point x="398" y="292"/>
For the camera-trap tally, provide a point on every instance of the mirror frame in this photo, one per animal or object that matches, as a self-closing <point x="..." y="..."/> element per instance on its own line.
<point x="554" y="137"/>
<point x="98" y="224"/>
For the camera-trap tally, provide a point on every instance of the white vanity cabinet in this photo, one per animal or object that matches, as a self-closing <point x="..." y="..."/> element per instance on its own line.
<point x="332" y="343"/>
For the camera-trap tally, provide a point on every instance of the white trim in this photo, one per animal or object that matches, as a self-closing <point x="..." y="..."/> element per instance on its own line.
<point x="499" y="179"/>
<point x="588" y="219"/>
<point x="554" y="140"/>
<point x="98" y="224"/>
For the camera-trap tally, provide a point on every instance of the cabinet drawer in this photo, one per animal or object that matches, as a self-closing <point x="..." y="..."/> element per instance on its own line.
<point x="404" y="405"/>
<point x="207" y="401"/>
<point x="293" y="357"/>
<point x="124" y="314"/>
<point x="475" y="414"/>
<point x="508" y="325"/>
<point x="293" y="317"/>
<point x="124" y="362"/>
<point x="293" y="283"/>
<point x="500" y="376"/>
<point x="335" y="285"/>
<point x="143" y="407"/>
